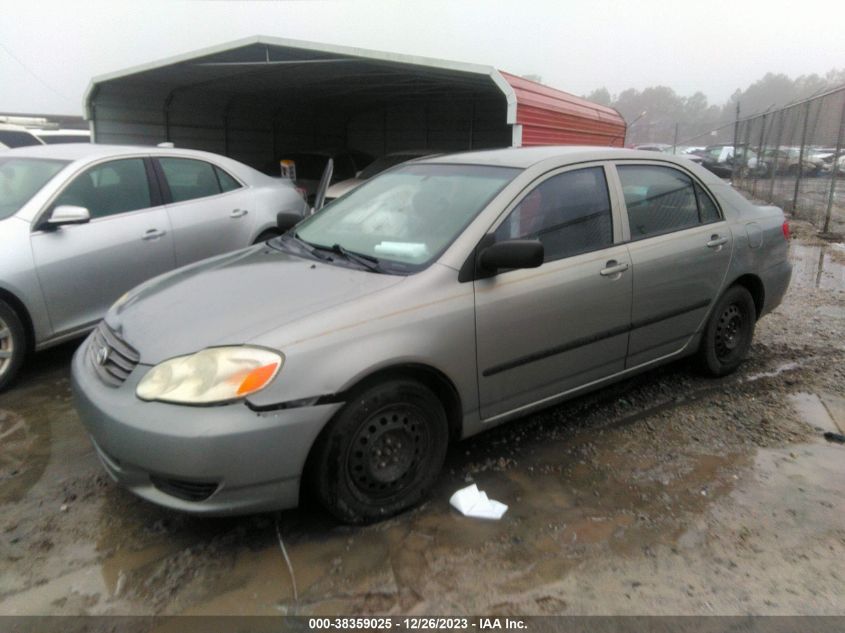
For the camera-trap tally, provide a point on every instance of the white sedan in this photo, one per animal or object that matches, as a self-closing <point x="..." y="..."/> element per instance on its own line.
<point x="81" y="224"/>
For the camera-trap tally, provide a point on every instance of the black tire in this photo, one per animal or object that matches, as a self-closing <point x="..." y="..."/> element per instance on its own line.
<point x="269" y="234"/>
<point x="12" y="344"/>
<point x="382" y="452"/>
<point x="727" y="336"/>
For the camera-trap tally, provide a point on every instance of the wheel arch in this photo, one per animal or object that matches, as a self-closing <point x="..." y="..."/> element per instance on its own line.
<point x="754" y="285"/>
<point x="439" y="383"/>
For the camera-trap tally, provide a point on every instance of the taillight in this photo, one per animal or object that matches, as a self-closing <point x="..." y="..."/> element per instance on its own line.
<point x="302" y="193"/>
<point x="785" y="228"/>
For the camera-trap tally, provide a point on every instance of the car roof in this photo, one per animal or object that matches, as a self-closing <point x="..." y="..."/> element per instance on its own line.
<point x="80" y="151"/>
<point x="525" y="157"/>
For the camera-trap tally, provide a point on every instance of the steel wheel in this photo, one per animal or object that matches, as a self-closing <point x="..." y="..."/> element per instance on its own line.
<point x="727" y="335"/>
<point x="728" y="331"/>
<point x="381" y="453"/>
<point x="385" y="453"/>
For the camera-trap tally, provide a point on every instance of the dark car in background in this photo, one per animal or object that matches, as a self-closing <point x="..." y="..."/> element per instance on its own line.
<point x="310" y="166"/>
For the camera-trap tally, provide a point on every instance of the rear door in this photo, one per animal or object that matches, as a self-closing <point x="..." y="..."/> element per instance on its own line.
<point x="84" y="268"/>
<point x="680" y="248"/>
<point x="209" y="208"/>
<point x="546" y="330"/>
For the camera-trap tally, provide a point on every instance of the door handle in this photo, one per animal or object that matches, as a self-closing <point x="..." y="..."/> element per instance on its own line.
<point x="613" y="268"/>
<point x="153" y="234"/>
<point x="238" y="213"/>
<point x="716" y="241"/>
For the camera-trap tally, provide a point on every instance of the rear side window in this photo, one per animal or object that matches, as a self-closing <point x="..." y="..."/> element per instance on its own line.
<point x="659" y="200"/>
<point x="227" y="183"/>
<point x="569" y="213"/>
<point x="706" y="207"/>
<point x="109" y="188"/>
<point x="189" y="179"/>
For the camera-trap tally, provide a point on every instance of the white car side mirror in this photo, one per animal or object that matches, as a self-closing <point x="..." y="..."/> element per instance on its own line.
<point x="68" y="214"/>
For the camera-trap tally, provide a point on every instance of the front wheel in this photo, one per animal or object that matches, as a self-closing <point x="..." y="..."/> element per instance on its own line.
<point x="727" y="336"/>
<point x="12" y="344"/>
<point x="382" y="452"/>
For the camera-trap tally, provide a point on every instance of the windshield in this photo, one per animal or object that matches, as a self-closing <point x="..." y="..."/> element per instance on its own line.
<point x="408" y="216"/>
<point x="22" y="178"/>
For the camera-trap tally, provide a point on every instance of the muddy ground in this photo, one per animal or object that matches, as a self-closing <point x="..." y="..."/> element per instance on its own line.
<point x="666" y="494"/>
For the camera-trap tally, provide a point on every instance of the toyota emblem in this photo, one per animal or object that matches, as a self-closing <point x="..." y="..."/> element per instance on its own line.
<point x="102" y="356"/>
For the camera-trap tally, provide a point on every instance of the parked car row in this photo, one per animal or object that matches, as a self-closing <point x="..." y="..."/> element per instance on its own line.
<point x="442" y="297"/>
<point x="19" y="136"/>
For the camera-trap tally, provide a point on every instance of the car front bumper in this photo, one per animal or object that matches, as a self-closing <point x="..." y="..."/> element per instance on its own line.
<point x="214" y="460"/>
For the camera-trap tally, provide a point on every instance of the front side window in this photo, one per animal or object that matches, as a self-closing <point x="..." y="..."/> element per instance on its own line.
<point x="21" y="178"/>
<point x="189" y="179"/>
<point x="408" y="216"/>
<point x="569" y="213"/>
<point x="659" y="200"/>
<point x="109" y="188"/>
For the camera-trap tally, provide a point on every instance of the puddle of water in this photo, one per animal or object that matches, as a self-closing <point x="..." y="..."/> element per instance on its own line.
<point x="563" y="511"/>
<point x="813" y="411"/>
<point x="818" y="266"/>
<point x="24" y="453"/>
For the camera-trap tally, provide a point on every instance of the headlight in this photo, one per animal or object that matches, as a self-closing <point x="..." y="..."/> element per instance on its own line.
<point x="212" y="376"/>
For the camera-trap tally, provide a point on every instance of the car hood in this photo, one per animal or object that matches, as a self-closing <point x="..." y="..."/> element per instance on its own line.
<point x="232" y="299"/>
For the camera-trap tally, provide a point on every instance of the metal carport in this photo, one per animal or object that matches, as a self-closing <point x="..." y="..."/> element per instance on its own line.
<point x="257" y="98"/>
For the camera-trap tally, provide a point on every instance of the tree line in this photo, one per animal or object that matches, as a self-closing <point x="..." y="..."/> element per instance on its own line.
<point x="653" y="113"/>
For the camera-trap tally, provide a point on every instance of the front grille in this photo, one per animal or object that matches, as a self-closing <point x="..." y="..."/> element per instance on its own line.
<point x="187" y="490"/>
<point x="111" y="357"/>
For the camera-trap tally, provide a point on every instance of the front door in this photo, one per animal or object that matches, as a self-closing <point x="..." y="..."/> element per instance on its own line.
<point x="541" y="332"/>
<point x="84" y="268"/>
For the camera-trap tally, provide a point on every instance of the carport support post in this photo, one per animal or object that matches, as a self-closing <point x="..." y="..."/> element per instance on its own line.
<point x="832" y="192"/>
<point x="801" y="158"/>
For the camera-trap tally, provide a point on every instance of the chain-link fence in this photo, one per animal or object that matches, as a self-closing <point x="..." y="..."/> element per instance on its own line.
<point x="795" y="158"/>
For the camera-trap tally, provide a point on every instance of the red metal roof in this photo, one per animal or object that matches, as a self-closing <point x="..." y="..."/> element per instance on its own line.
<point x="554" y="117"/>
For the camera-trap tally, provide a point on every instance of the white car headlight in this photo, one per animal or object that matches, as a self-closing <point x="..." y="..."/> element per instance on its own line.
<point x="212" y="376"/>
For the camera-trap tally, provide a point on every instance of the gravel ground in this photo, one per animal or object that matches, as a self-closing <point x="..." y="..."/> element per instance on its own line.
<point x="666" y="494"/>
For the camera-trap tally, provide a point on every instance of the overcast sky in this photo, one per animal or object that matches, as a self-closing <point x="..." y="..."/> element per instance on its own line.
<point x="50" y="50"/>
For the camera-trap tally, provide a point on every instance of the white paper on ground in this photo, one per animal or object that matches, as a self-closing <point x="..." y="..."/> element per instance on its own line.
<point x="472" y="502"/>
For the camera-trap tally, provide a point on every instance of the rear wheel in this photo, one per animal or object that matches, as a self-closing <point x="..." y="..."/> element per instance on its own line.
<point x="382" y="452"/>
<point x="12" y="344"/>
<point x="728" y="334"/>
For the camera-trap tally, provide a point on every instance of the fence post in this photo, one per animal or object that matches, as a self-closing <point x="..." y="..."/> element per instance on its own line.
<point x="832" y="192"/>
<point x="776" y="148"/>
<point x="801" y="158"/>
<point x="755" y="177"/>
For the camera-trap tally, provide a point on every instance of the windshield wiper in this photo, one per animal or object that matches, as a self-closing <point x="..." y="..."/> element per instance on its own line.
<point x="309" y="248"/>
<point x="367" y="261"/>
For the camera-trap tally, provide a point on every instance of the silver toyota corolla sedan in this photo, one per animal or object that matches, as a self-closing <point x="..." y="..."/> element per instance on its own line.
<point x="81" y="224"/>
<point x="437" y="300"/>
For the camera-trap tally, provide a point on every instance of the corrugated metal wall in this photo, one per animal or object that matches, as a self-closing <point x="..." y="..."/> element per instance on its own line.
<point x="553" y="117"/>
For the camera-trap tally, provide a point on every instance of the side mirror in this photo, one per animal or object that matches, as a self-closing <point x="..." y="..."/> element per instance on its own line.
<point x="68" y="214"/>
<point x="512" y="254"/>
<point x="286" y="221"/>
